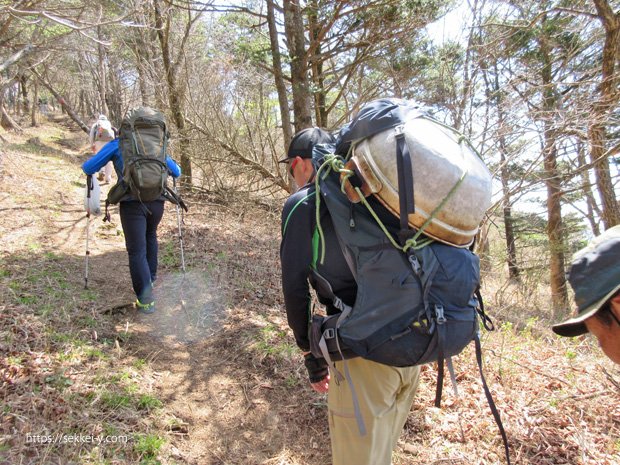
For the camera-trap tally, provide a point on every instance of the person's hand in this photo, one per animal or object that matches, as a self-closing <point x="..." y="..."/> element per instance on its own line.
<point x="322" y="386"/>
<point x="317" y="372"/>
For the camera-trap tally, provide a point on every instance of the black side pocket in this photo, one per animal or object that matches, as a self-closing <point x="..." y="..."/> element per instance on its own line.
<point x="117" y="192"/>
<point x="325" y="326"/>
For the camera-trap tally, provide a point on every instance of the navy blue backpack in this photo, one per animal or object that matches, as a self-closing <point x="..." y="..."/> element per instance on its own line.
<point x="418" y="299"/>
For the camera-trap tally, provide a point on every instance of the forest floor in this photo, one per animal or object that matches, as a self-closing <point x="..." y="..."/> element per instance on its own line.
<point x="213" y="377"/>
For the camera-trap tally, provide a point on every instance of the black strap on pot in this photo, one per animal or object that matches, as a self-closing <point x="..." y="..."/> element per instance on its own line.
<point x="405" y="184"/>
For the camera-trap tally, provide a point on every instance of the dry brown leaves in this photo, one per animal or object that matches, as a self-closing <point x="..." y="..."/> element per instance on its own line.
<point x="240" y="395"/>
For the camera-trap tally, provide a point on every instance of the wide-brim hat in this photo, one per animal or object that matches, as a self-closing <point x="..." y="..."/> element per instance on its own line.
<point x="594" y="275"/>
<point x="304" y="141"/>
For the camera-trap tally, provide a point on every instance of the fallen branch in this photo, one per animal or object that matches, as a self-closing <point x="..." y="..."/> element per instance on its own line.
<point x="611" y="379"/>
<point x="7" y="122"/>
<point x="72" y="114"/>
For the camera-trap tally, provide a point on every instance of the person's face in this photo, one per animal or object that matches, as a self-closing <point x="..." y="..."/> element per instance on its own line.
<point x="608" y="335"/>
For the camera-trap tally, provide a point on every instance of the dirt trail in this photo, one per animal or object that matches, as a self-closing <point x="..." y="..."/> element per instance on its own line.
<point x="208" y="342"/>
<point x="216" y="360"/>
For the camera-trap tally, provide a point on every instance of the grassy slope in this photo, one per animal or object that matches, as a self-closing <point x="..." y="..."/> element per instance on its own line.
<point x="214" y="378"/>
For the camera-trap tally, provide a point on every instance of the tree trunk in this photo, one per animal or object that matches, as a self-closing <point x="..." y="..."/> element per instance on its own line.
<point x="102" y="68"/>
<point x="285" y="114"/>
<point x="115" y="96"/>
<point x="294" y="29"/>
<point x="174" y="93"/>
<point x="316" y="65"/>
<point x="555" y="227"/>
<point x="142" y="82"/>
<point x="82" y="105"/>
<point x="466" y="90"/>
<point x="608" y="99"/>
<point x="23" y="84"/>
<point x="483" y="249"/>
<point x="6" y="121"/>
<point x="35" y="104"/>
<point x="511" y="250"/>
<point x="587" y="191"/>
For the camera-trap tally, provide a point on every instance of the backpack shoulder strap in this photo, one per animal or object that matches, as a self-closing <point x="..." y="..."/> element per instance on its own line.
<point x="489" y="396"/>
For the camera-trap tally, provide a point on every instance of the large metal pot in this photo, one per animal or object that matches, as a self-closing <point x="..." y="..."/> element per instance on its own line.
<point x="440" y="157"/>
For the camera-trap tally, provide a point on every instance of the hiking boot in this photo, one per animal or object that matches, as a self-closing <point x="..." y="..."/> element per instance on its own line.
<point x="147" y="309"/>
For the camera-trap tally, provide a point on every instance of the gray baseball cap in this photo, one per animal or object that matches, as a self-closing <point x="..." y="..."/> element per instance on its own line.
<point x="594" y="275"/>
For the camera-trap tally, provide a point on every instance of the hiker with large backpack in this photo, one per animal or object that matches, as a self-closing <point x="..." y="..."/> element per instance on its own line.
<point x="142" y="166"/>
<point x="383" y="393"/>
<point x="102" y="132"/>
<point x="403" y="196"/>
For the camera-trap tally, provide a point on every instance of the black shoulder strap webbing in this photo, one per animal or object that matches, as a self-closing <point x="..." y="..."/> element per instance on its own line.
<point x="490" y="400"/>
<point x="405" y="184"/>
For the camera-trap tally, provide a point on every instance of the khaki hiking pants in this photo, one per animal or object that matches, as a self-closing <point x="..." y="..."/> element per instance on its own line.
<point x="385" y="395"/>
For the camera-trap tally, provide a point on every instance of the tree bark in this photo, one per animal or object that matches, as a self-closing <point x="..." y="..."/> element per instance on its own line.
<point x="6" y="121"/>
<point x="35" y="104"/>
<point x="511" y="250"/>
<point x="555" y="227"/>
<point x="114" y="96"/>
<point x="23" y="84"/>
<point x="316" y="65"/>
<point x="174" y="92"/>
<point x="591" y="205"/>
<point x="142" y="81"/>
<point x="103" y="108"/>
<point x="278" y="75"/>
<point x="608" y="99"/>
<point x="294" y="29"/>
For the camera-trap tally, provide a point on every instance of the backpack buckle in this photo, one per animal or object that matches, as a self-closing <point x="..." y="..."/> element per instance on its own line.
<point x="338" y="303"/>
<point x="415" y="263"/>
<point x="329" y="333"/>
<point x="440" y="317"/>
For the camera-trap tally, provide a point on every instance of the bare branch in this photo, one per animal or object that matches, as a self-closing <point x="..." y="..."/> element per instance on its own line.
<point x="16" y="57"/>
<point x="264" y="172"/>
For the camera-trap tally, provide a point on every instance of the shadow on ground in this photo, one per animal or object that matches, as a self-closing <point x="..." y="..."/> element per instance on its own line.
<point x="223" y="364"/>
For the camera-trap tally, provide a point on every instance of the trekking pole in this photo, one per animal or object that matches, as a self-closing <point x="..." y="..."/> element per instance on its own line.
<point x="89" y="187"/>
<point x="176" y="191"/>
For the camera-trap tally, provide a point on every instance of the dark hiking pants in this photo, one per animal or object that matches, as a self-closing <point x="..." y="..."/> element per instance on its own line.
<point x="140" y="221"/>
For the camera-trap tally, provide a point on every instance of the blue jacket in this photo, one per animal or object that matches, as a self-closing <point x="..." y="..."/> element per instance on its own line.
<point x="111" y="151"/>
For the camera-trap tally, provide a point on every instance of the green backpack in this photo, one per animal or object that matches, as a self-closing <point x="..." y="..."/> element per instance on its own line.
<point x="143" y="142"/>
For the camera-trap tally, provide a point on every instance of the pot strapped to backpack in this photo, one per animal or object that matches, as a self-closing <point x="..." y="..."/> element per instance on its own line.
<point x="406" y="304"/>
<point x="415" y="304"/>
<point x="417" y="299"/>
